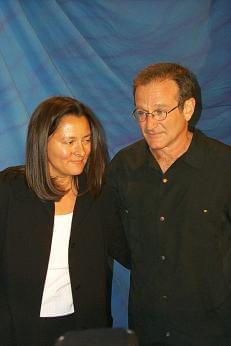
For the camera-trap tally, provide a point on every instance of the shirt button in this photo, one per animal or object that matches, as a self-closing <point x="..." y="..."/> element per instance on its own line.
<point x="164" y="180"/>
<point x="167" y="334"/>
<point x="163" y="258"/>
<point x="162" y="218"/>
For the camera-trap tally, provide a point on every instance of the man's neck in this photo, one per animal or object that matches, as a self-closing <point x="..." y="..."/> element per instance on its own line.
<point x="167" y="156"/>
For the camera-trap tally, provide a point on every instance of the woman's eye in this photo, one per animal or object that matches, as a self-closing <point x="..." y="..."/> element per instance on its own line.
<point x="87" y="140"/>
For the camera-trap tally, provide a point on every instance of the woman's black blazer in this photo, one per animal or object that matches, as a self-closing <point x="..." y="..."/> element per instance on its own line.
<point x="26" y="225"/>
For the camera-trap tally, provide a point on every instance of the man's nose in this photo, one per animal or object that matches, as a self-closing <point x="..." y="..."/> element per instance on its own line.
<point x="151" y="121"/>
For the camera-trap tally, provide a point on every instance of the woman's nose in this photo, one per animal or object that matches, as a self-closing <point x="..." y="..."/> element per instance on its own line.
<point x="78" y="149"/>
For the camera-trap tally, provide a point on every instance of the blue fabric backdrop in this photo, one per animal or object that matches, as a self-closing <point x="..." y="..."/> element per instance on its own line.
<point x="91" y="50"/>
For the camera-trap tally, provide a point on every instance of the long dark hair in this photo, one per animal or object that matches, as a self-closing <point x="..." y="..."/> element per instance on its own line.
<point x="43" y="123"/>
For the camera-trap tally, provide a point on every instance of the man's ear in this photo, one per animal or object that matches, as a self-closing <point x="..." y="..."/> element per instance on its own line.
<point x="189" y="107"/>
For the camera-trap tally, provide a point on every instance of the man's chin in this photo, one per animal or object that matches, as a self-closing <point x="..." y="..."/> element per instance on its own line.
<point x="156" y="145"/>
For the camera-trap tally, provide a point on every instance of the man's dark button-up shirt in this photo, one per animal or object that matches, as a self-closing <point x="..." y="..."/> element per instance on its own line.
<point x="178" y="226"/>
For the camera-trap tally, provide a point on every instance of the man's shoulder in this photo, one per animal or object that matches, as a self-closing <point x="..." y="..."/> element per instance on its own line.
<point x="215" y="154"/>
<point x="215" y="146"/>
<point x="131" y="152"/>
<point x="127" y="161"/>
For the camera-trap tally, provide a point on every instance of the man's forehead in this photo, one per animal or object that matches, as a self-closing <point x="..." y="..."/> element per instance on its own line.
<point x="157" y="89"/>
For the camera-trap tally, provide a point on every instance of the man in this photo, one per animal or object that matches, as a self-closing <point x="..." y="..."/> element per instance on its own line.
<point x="173" y="194"/>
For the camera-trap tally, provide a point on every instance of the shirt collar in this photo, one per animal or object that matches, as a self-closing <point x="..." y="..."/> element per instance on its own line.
<point x="194" y="156"/>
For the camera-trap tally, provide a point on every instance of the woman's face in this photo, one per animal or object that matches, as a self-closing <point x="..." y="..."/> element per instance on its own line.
<point x="69" y="147"/>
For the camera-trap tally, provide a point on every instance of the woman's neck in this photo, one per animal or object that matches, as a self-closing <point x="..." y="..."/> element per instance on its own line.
<point x="66" y="204"/>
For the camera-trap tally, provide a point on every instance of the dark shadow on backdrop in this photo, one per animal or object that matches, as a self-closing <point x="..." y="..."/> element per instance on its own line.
<point x="198" y="108"/>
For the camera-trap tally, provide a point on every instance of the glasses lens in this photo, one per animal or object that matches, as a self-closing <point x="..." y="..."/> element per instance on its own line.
<point x="139" y="115"/>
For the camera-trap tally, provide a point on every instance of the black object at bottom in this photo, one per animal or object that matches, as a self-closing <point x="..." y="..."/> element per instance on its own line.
<point x="99" y="337"/>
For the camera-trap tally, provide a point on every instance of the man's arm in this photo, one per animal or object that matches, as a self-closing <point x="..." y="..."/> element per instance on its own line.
<point x="113" y="229"/>
<point x="226" y="244"/>
<point x="116" y="236"/>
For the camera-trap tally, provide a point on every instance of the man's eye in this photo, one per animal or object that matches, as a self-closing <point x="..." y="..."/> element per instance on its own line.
<point x="140" y="113"/>
<point x="159" y="112"/>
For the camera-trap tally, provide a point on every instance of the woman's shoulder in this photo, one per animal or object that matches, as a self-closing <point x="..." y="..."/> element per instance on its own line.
<point x="13" y="179"/>
<point x="13" y="184"/>
<point x="12" y="175"/>
<point x="10" y="180"/>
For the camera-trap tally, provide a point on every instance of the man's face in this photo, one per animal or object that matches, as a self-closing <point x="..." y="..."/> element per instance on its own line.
<point x="163" y="95"/>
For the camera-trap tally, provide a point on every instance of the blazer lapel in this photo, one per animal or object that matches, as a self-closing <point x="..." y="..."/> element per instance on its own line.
<point x="83" y="202"/>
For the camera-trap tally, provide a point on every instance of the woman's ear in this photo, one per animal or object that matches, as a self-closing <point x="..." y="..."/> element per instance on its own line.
<point x="189" y="107"/>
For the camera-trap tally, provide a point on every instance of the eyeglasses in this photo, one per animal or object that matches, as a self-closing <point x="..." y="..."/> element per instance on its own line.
<point x="159" y="115"/>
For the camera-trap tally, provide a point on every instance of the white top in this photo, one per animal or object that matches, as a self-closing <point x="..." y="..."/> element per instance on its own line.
<point x="57" y="295"/>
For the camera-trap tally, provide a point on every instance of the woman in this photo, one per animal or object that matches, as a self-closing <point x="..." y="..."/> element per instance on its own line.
<point x="53" y="254"/>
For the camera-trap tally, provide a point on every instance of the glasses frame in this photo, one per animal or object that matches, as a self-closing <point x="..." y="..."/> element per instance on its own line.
<point x="153" y="114"/>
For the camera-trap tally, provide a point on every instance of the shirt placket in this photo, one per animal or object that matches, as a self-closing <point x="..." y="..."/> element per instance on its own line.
<point x="162" y="229"/>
